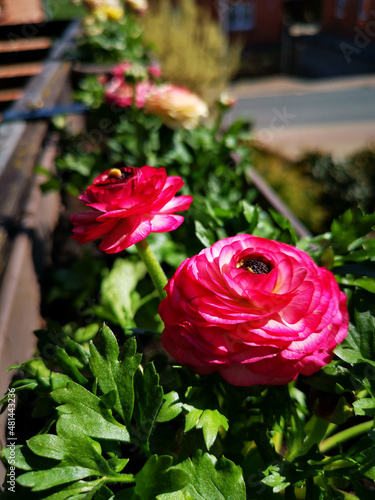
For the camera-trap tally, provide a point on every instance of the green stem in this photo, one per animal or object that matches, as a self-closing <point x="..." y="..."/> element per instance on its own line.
<point x="345" y="435"/>
<point x="153" y="267"/>
<point x="318" y="428"/>
<point x="217" y="124"/>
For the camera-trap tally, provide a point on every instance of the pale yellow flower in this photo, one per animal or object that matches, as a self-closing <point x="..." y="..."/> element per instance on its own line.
<point x="177" y="106"/>
<point x="138" y="5"/>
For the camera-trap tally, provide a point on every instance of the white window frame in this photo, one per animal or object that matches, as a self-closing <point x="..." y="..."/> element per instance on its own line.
<point x="340" y="8"/>
<point x="244" y="16"/>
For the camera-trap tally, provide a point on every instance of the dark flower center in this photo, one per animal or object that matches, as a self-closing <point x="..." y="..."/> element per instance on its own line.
<point x="256" y="265"/>
<point x="117" y="176"/>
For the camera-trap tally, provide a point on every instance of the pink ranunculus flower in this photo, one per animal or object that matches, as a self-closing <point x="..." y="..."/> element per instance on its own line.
<point x="128" y="204"/>
<point x="126" y="79"/>
<point x="255" y="310"/>
<point x="177" y="106"/>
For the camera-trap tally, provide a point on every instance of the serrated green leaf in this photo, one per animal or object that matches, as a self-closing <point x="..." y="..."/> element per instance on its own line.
<point x="156" y="478"/>
<point x="274" y="479"/>
<point x="210" y="422"/>
<point x="84" y="409"/>
<point x="210" y="479"/>
<point x="79" y="457"/>
<point x="114" y="373"/>
<point x="192" y="418"/>
<point x="148" y="400"/>
<point x="171" y="407"/>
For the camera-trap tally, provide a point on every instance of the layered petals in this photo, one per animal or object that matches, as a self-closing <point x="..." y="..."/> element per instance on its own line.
<point x="128" y="204"/>
<point x="255" y="310"/>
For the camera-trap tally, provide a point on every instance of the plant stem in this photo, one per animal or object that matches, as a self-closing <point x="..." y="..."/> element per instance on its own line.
<point x="155" y="270"/>
<point x="345" y="435"/>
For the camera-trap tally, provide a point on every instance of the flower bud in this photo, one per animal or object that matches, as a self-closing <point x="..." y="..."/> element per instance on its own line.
<point x="335" y="408"/>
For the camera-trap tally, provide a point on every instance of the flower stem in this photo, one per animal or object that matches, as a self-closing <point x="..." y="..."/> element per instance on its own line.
<point x="345" y="435"/>
<point x="318" y="428"/>
<point x="153" y="267"/>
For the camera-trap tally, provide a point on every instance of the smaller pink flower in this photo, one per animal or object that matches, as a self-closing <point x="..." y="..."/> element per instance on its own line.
<point x="120" y="93"/>
<point x="126" y="78"/>
<point x="128" y="204"/>
<point x="154" y="70"/>
<point x="121" y="68"/>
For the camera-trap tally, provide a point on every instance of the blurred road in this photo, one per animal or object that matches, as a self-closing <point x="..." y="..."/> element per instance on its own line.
<point x="293" y="116"/>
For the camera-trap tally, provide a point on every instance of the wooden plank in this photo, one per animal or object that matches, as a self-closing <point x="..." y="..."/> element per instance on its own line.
<point x="16" y="176"/>
<point x="10" y="95"/>
<point x="10" y="136"/>
<point x="25" y="44"/>
<point x="20" y="69"/>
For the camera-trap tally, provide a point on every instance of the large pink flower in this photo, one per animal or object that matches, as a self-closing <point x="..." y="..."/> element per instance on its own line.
<point x="128" y="204"/>
<point x="256" y="310"/>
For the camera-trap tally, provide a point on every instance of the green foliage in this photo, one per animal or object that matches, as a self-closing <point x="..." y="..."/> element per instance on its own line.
<point x="107" y="41"/>
<point x="346" y="182"/>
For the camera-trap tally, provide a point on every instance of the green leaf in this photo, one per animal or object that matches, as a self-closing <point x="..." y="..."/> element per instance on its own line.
<point x="79" y="457"/>
<point x="251" y="213"/>
<point x="274" y="479"/>
<point x="204" y="235"/>
<point x="81" y="407"/>
<point x="118" y="293"/>
<point x="349" y="227"/>
<point x="114" y="373"/>
<point x="148" y="400"/>
<point x="210" y="479"/>
<point x="359" y="345"/>
<point x="171" y="407"/>
<point x="45" y="479"/>
<point x="69" y="368"/>
<point x="365" y="407"/>
<point x="209" y="421"/>
<point x="156" y="478"/>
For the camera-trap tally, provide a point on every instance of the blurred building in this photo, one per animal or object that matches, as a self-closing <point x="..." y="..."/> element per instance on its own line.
<point x="312" y="38"/>
<point x="257" y="24"/>
<point x="343" y="44"/>
<point x="345" y="17"/>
